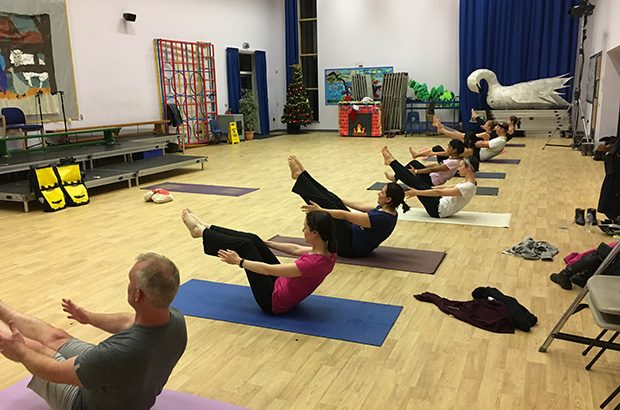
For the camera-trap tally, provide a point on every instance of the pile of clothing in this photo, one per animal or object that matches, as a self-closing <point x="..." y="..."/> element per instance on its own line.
<point x="533" y="250"/>
<point x="489" y="310"/>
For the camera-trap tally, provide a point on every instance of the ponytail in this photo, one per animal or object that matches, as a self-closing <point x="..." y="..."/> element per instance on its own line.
<point x="332" y="245"/>
<point x="323" y="223"/>
<point x="396" y="193"/>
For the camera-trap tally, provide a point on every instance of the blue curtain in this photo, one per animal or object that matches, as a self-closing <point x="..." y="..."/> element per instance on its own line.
<point x="260" y="61"/>
<point x="291" y="28"/>
<point x="233" y="77"/>
<point x="519" y="40"/>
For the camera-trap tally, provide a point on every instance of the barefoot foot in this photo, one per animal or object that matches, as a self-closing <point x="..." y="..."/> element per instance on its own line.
<point x="295" y="171"/>
<point x="195" y="228"/>
<point x="299" y="165"/>
<point x="387" y="156"/>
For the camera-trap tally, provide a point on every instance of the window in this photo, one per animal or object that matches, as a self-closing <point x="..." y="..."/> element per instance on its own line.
<point x="308" y="52"/>
<point x="246" y="71"/>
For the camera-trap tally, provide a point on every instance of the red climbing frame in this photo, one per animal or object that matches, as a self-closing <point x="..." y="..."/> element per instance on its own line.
<point x="187" y="79"/>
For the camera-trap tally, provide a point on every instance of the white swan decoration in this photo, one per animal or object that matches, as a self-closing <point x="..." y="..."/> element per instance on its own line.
<point x="541" y="93"/>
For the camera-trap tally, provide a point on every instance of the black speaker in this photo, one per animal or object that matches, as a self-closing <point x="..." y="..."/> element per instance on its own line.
<point x="129" y="17"/>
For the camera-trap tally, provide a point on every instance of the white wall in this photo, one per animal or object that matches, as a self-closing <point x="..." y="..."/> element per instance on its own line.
<point x="419" y="37"/>
<point x="604" y="36"/>
<point x="115" y="67"/>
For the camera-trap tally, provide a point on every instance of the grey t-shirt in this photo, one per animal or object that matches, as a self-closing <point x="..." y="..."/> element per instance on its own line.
<point x="129" y="369"/>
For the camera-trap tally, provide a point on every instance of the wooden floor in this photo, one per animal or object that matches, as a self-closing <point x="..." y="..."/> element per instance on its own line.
<point x="429" y="360"/>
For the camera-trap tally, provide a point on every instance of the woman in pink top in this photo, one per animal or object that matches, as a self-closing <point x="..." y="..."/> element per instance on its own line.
<point x="277" y="288"/>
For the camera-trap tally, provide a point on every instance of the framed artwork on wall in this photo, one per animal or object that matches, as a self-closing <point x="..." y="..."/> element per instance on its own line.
<point x="35" y="58"/>
<point x="338" y="82"/>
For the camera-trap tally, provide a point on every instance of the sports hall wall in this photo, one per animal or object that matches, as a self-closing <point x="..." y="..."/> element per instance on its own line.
<point x="419" y="37"/>
<point x="114" y="61"/>
<point x="603" y="35"/>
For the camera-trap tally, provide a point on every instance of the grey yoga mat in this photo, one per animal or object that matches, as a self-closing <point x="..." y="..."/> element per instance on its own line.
<point x="481" y="190"/>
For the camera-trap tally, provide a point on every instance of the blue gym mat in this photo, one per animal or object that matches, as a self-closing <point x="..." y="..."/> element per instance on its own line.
<point x="333" y="318"/>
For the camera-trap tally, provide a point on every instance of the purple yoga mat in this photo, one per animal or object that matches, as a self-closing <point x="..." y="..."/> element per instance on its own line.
<point x="408" y="260"/>
<point x="202" y="189"/>
<point x="19" y="397"/>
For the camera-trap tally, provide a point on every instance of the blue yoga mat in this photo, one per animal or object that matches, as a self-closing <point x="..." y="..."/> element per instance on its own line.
<point x="333" y="318"/>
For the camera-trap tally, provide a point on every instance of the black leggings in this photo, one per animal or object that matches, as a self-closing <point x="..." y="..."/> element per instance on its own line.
<point x="430" y="203"/>
<point x="250" y="247"/>
<point x="418" y="165"/>
<point x="440" y="159"/>
<point x="311" y="190"/>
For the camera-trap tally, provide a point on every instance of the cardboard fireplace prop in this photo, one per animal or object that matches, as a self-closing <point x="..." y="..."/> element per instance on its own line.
<point x="358" y="119"/>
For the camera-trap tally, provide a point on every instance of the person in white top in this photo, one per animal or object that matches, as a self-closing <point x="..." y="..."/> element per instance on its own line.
<point x="493" y="147"/>
<point x="439" y="201"/>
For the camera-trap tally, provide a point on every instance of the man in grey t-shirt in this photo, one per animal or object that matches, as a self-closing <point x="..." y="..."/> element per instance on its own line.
<point x="126" y="371"/>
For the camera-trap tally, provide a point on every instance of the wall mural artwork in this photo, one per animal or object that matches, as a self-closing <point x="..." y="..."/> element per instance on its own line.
<point x="338" y="82"/>
<point x="26" y="59"/>
<point x="35" y="57"/>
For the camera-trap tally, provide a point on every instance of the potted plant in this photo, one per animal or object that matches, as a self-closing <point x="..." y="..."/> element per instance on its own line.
<point x="297" y="111"/>
<point x="249" y="108"/>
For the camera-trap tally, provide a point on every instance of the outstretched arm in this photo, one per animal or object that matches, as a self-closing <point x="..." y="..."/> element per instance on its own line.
<point x="287" y="270"/>
<point x="14" y="348"/>
<point x="429" y="169"/>
<point x="110" y="322"/>
<point x="357" y="218"/>
<point x="290" y="248"/>
<point x="433" y="192"/>
<point x="358" y="206"/>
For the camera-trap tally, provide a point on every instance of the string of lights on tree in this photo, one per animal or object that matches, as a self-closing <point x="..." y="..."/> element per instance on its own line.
<point x="297" y="108"/>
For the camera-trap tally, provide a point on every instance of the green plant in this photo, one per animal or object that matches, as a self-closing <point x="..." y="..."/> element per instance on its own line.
<point x="437" y="96"/>
<point x="249" y="108"/>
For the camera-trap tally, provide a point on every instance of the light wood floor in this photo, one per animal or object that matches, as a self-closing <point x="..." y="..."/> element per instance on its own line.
<point x="429" y="360"/>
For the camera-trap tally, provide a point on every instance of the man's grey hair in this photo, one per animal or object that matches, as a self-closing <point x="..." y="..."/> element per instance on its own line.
<point x="158" y="278"/>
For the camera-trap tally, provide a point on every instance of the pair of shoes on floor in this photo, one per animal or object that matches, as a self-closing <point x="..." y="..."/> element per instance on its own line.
<point x="561" y="279"/>
<point x="566" y="279"/>
<point x="582" y="216"/>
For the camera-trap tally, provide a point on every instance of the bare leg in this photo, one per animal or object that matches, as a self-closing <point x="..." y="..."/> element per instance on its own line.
<point x="192" y="223"/>
<point x="34" y="328"/>
<point x="32" y="344"/>
<point x="292" y="164"/>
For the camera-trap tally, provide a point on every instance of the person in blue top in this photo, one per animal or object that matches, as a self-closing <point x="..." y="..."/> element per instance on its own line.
<point x="357" y="233"/>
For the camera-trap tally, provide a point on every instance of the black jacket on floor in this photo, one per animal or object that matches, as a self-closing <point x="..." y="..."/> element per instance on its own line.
<point x="522" y="318"/>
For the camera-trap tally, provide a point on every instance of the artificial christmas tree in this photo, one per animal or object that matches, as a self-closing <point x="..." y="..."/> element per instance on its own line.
<point x="297" y="111"/>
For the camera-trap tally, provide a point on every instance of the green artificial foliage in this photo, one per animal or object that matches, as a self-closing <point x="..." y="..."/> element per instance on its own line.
<point x="249" y="108"/>
<point x="436" y="94"/>
<point x="297" y="108"/>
